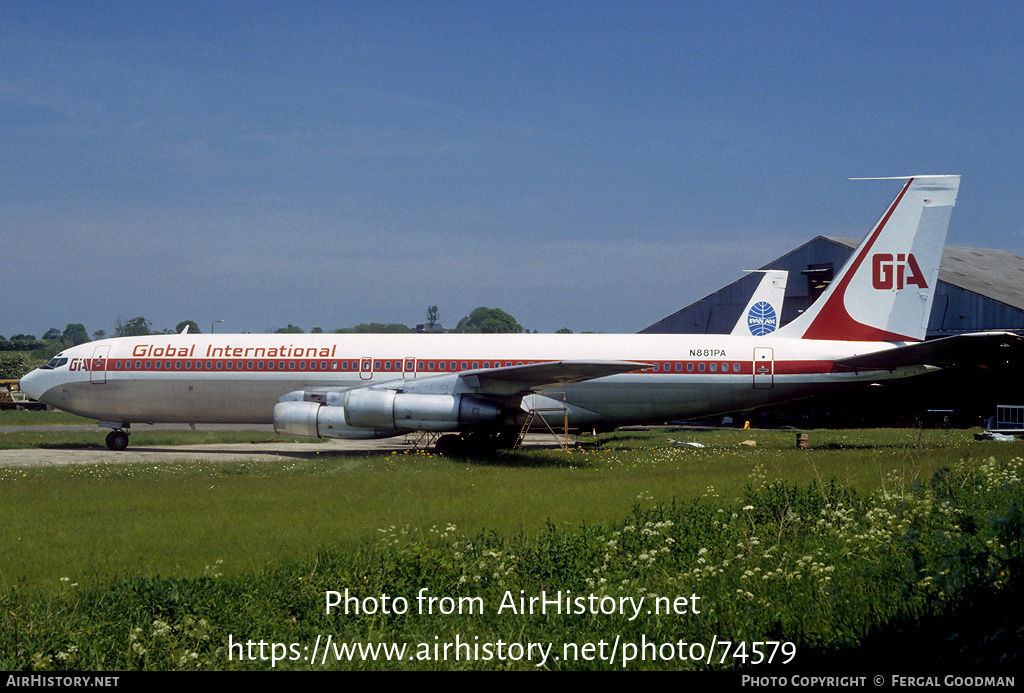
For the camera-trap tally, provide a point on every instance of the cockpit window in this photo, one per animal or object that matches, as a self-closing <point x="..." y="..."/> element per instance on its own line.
<point x="55" y="362"/>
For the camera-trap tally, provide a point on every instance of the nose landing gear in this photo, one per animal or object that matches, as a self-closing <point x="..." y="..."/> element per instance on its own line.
<point x="117" y="440"/>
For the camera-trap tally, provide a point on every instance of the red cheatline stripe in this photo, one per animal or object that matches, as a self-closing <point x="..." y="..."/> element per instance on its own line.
<point x="394" y="366"/>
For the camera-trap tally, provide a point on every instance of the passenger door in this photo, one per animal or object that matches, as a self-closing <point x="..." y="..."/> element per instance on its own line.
<point x="764" y="368"/>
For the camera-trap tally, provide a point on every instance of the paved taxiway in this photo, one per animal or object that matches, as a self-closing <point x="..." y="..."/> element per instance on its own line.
<point x="265" y="451"/>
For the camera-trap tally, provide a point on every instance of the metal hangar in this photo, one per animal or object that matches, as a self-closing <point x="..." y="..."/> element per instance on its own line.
<point x="979" y="289"/>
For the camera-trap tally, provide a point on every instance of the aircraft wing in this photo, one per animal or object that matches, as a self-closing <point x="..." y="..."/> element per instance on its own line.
<point x="973" y="348"/>
<point x="502" y="382"/>
<point x="517" y="380"/>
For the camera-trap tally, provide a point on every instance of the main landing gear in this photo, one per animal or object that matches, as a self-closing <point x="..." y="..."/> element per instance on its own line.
<point x="479" y="442"/>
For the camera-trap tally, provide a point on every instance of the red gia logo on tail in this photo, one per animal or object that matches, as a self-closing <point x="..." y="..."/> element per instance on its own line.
<point x="895" y="273"/>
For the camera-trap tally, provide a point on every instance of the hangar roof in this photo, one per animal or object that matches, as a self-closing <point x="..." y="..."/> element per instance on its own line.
<point x="997" y="274"/>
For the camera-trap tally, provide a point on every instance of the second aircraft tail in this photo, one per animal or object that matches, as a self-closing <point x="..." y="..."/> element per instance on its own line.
<point x="764" y="310"/>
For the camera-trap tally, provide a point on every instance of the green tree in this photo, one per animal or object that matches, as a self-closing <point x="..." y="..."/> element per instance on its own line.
<point x="51" y="334"/>
<point x="24" y="342"/>
<point x="75" y="334"/>
<point x="291" y="329"/>
<point x="193" y="328"/>
<point x="489" y="320"/>
<point x="14" y="365"/>
<point x="136" y="327"/>
<point x="377" y="328"/>
<point x="431" y="318"/>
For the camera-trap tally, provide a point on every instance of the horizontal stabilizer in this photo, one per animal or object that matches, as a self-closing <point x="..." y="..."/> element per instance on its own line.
<point x="973" y="348"/>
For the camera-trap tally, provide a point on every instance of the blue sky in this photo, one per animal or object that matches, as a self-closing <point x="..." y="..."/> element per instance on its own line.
<point x="591" y="165"/>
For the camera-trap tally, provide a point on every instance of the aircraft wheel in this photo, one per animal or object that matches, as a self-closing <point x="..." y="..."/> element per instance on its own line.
<point x="117" y="440"/>
<point x="449" y="445"/>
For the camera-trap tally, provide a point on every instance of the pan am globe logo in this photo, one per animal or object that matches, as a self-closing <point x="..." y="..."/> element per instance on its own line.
<point x="761" y="319"/>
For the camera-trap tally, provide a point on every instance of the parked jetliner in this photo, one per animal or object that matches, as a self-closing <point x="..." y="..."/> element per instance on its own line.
<point x="866" y="327"/>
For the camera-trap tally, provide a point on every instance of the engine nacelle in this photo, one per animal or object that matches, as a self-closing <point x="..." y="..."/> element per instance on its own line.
<point x="315" y="420"/>
<point x="388" y="409"/>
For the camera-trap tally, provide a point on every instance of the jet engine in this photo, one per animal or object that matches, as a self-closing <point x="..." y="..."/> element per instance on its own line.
<point x="315" y="420"/>
<point x="366" y="413"/>
<point x="388" y="409"/>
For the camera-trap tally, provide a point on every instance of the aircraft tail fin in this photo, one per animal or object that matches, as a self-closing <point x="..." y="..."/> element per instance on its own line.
<point x="885" y="290"/>
<point x="764" y="310"/>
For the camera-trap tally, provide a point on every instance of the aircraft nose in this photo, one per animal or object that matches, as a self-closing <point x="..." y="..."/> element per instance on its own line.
<point x="31" y="384"/>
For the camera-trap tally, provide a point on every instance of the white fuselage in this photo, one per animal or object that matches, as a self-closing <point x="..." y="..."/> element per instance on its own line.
<point x="239" y="378"/>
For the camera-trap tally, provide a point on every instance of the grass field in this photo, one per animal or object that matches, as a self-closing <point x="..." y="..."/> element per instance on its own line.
<point x="154" y="566"/>
<point x="173" y="519"/>
<point x="41" y="429"/>
<point x="49" y="417"/>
